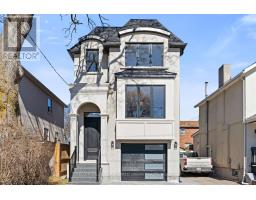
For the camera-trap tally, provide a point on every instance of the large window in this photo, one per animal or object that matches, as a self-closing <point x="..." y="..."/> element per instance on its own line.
<point x="145" y="101"/>
<point x="146" y="55"/>
<point x="92" y="60"/>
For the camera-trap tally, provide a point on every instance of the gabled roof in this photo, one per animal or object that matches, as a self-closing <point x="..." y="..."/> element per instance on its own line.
<point x="42" y="86"/>
<point x="251" y="119"/>
<point x="247" y="71"/>
<point x="110" y="35"/>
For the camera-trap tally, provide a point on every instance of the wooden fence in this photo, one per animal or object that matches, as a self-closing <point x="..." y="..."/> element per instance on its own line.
<point x="61" y="154"/>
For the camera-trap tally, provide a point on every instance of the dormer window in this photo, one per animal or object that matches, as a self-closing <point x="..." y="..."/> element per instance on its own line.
<point x="92" y="60"/>
<point x="144" y="54"/>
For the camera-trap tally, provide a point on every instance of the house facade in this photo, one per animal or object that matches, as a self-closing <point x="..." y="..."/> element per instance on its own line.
<point x="187" y="129"/>
<point x="41" y="111"/>
<point x="125" y="104"/>
<point x="227" y="124"/>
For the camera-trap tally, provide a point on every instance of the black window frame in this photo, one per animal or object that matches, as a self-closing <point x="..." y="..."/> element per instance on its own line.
<point x="151" y="100"/>
<point x="150" y="56"/>
<point x="49" y="107"/>
<point x="86" y="61"/>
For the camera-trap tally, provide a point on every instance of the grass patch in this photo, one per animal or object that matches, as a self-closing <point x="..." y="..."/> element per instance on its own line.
<point x="57" y="181"/>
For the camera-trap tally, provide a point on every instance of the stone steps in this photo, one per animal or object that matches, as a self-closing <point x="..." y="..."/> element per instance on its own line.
<point x="84" y="174"/>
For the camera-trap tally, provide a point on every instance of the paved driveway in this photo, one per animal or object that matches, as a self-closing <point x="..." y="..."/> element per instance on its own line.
<point x="204" y="180"/>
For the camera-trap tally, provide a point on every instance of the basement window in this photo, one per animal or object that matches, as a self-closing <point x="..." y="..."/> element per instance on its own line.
<point x="46" y="134"/>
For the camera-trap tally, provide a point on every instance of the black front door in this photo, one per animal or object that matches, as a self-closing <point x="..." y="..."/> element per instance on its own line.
<point x="92" y="136"/>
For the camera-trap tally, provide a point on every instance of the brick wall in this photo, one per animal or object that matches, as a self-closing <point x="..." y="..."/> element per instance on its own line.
<point x="189" y="128"/>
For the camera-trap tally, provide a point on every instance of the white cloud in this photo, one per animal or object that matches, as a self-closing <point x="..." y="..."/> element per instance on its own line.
<point x="246" y="24"/>
<point x="248" y="20"/>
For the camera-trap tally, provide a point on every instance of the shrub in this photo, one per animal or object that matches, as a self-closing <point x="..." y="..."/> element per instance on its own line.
<point x="24" y="159"/>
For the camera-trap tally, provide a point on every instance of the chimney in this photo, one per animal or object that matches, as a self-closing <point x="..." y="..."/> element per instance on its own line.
<point x="224" y="74"/>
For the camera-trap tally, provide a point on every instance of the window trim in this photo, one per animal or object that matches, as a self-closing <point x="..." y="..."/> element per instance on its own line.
<point x="144" y="66"/>
<point x="151" y="96"/>
<point x="97" y="64"/>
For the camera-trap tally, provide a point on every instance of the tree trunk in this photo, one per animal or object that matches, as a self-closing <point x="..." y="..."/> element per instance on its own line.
<point x="17" y="27"/>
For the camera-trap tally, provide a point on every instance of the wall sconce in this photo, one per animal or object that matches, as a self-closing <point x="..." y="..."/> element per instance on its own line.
<point x="112" y="144"/>
<point x="175" y="146"/>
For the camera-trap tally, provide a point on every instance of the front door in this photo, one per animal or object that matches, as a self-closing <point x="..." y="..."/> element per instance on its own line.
<point x="92" y="136"/>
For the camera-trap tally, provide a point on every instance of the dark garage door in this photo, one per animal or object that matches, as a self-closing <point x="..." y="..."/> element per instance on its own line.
<point x="142" y="162"/>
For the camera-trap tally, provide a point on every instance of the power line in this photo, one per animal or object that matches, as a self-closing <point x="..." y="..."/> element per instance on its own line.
<point x="48" y="61"/>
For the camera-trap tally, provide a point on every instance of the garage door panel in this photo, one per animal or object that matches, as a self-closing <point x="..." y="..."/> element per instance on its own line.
<point x="144" y="162"/>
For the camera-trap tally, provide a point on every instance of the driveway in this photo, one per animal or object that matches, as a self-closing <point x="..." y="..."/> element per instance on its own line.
<point x="195" y="179"/>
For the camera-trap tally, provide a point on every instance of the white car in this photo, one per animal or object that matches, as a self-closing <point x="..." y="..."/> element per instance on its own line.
<point x="191" y="163"/>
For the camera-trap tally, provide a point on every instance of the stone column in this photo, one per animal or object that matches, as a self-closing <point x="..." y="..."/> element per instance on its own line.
<point x="73" y="132"/>
<point x="104" y="138"/>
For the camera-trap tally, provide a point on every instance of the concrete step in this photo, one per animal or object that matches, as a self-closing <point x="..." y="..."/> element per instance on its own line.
<point x="85" y="166"/>
<point x="83" y="183"/>
<point x="84" y="170"/>
<point x="84" y="174"/>
<point x="83" y="179"/>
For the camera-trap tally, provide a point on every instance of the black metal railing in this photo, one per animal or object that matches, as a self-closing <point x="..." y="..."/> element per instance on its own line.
<point x="98" y="165"/>
<point x="72" y="163"/>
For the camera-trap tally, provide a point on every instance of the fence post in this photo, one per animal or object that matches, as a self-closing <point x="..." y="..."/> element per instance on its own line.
<point x="57" y="159"/>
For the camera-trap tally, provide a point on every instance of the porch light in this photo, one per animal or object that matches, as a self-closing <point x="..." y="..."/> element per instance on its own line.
<point x="175" y="145"/>
<point x="112" y="144"/>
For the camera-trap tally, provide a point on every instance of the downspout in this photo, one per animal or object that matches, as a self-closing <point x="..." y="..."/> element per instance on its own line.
<point x="207" y="128"/>
<point x="207" y="120"/>
<point x="245" y="132"/>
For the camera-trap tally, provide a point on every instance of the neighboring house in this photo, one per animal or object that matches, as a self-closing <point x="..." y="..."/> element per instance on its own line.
<point x="42" y="112"/>
<point x="196" y="141"/>
<point x="227" y="123"/>
<point x="187" y="129"/>
<point x="125" y="103"/>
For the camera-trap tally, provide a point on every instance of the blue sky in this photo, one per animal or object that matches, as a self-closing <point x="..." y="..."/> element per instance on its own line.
<point x="212" y="41"/>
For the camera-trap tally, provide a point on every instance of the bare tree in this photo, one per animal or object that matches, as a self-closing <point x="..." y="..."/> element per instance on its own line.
<point x="75" y="21"/>
<point x="10" y="71"/>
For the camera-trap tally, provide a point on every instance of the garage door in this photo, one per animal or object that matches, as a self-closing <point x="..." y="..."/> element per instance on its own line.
<point x="143" y="162"/>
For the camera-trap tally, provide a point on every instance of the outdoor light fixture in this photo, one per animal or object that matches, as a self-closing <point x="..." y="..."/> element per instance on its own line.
<point x="175" y="145"/>
<point x="112" y="144"/>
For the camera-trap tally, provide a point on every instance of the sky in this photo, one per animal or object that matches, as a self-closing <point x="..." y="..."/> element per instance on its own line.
<point x="212" y="40"/>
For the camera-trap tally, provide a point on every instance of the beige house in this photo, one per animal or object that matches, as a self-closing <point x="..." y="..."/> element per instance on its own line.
<point x="41" y="111"/>
<point x="227" y="124"/>
<point x="125" y="104"/>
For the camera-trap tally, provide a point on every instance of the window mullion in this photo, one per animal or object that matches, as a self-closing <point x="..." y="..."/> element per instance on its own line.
<point x="151" y="101"/>
<point x="138" y="102"/>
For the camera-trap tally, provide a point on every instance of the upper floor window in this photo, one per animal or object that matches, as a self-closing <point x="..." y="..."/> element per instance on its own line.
<point x="144" y="54"/>
<point x="49" y="104"/>
<point x="145" y="101"/>
<point x="92" y="60"/>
